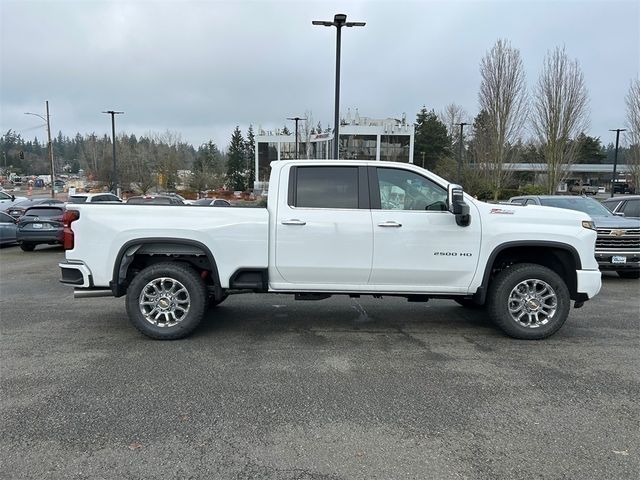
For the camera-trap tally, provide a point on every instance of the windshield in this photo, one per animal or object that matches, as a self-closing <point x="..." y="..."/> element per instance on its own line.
<point x="581" y="204"/>
<point x="77" y="199"/>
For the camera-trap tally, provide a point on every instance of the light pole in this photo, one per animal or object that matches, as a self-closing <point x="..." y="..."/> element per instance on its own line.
<point x="339" y="21"/>
<point x="615" y="158"/>
<point x="296" y="119"/>
<point x="462" y="124"/>
<point x="50" y="146"/>
<point x="114" y="178"/>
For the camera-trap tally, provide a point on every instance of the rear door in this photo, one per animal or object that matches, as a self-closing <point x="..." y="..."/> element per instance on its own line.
<point x="323" y="226"/>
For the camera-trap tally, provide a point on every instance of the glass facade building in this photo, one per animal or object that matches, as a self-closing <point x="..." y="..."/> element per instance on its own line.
<point x="363" y="138"/>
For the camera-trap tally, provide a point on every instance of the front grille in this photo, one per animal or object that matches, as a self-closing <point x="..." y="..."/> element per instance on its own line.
<point x="618" y="239"/>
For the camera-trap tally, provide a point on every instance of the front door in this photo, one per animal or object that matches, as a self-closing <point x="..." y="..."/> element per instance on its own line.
<point x="417" y="244"/>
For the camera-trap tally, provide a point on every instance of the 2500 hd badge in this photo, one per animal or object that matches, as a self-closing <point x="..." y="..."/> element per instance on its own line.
<point x="453" y="254"/>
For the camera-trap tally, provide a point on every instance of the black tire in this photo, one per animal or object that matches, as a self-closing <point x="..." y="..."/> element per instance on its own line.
<point x="468" y="303"/>
<point x="628" y="273"/>
<point x="505" y="283"/>
<point x="191" y="293"/>
<point x="27" y="247"/>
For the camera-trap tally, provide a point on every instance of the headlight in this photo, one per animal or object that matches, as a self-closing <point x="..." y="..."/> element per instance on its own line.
<point x="589" y="224"/>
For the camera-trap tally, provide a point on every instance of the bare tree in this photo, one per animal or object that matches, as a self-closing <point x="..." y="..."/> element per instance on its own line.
<point x="633" y="131"/>
<point x="503" y="97"/>
<point x="452" y="115"/>
<point x="560" y="113"/>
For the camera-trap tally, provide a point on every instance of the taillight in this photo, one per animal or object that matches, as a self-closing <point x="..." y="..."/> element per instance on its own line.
<point x="68" y="217"/>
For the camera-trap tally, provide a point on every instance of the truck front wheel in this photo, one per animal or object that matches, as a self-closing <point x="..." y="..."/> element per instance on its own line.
<point x="166" y="301"/>
<point x="528" y="301"/>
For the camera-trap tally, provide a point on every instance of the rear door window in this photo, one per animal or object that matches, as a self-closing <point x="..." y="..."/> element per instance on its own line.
<point x="326" y="187"/>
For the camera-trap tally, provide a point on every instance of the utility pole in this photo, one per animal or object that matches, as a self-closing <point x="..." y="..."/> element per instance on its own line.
<point x="462" y="124"/>
<point x="50" y="146"/>
<point x="114" y="177"/>
<point x="339" y="21"/>
<point x="615" y="158"/>
<point x="296" y="119"/>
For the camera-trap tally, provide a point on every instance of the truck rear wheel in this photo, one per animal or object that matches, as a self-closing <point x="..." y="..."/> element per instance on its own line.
<point x="529" y="301"/>
<point x="166" y="301"/>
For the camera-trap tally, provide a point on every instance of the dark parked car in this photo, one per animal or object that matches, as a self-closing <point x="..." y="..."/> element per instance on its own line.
<point x="7" y="229"/>
<point x="628" y="205"/>
<point x="618" y="242"/>
<point x="17" y="210"/>
<point x="212" y="202"/>
<point x="155" y="200"/>
<point x="40" y="225"/>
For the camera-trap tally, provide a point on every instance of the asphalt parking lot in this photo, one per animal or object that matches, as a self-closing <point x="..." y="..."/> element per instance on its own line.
<point x="272" y="388"/>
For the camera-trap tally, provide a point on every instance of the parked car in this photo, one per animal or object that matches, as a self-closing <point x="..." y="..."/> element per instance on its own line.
<point x="176" y="195"/>
<point x="618" y="242"/>
<point x="94" y="198"/>
<point x="155" y="200"/>
<point x="584" y="189"/>
<point x="212" y="202"/>
<point x="7" y="199"/>
<point x="40" y="225"/>
<point x="627" y="206"/>
<point x="7" y="229"/>
<point x="17" y="209"/>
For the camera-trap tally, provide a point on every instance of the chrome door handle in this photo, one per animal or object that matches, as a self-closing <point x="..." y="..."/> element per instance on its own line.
<point x="390" y="223"/>
<point x="293" y="221"/>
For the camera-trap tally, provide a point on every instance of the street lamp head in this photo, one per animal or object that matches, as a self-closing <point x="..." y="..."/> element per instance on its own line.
<point x="618" y="130"/>
<point x="339" y="18"/>
<point x="322" y="23"/>
<point x="355" y="24"/>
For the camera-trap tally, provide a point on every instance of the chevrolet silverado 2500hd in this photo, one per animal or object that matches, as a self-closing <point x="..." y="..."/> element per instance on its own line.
<point x="336" y="227"/>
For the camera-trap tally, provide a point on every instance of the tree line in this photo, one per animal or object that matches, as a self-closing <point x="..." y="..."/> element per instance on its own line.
<point x="143" y="163"/>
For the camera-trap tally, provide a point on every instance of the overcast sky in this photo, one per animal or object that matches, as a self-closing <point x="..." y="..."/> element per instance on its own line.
<point x="201" y="67"/>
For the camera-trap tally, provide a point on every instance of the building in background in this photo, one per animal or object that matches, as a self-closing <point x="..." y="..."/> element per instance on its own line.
<point x="361" y="138"/>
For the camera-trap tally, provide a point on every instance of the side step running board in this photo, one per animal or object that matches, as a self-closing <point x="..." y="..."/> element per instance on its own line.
<point x="86" y="293"/>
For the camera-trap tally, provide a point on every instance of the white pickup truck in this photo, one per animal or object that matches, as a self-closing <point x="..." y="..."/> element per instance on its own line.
<point x="336" y="227"/>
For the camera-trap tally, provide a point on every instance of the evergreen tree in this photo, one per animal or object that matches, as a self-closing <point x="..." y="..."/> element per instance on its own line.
<point x="286" y="131"/>
<point x="250" y="153"/>
<point x="589" y="149"/>
<point x="431" y="139"/>
<point x="236" y="162"/>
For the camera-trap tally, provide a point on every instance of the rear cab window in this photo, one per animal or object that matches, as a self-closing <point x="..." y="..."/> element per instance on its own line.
<point x="325" y="187"/>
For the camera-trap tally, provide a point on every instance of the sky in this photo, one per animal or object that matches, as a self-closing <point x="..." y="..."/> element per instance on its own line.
<point x="199" y="68"/>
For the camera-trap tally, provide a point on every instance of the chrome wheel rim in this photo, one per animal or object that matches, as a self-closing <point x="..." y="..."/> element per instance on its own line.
<point x="164" y="302"/>
<point x="532" y="303"/>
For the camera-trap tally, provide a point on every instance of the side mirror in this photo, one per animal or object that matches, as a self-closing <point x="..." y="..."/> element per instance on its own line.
<point x="13" y="198"/>
<point x="457" y="205"/>
<point x="619" y="214"/>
